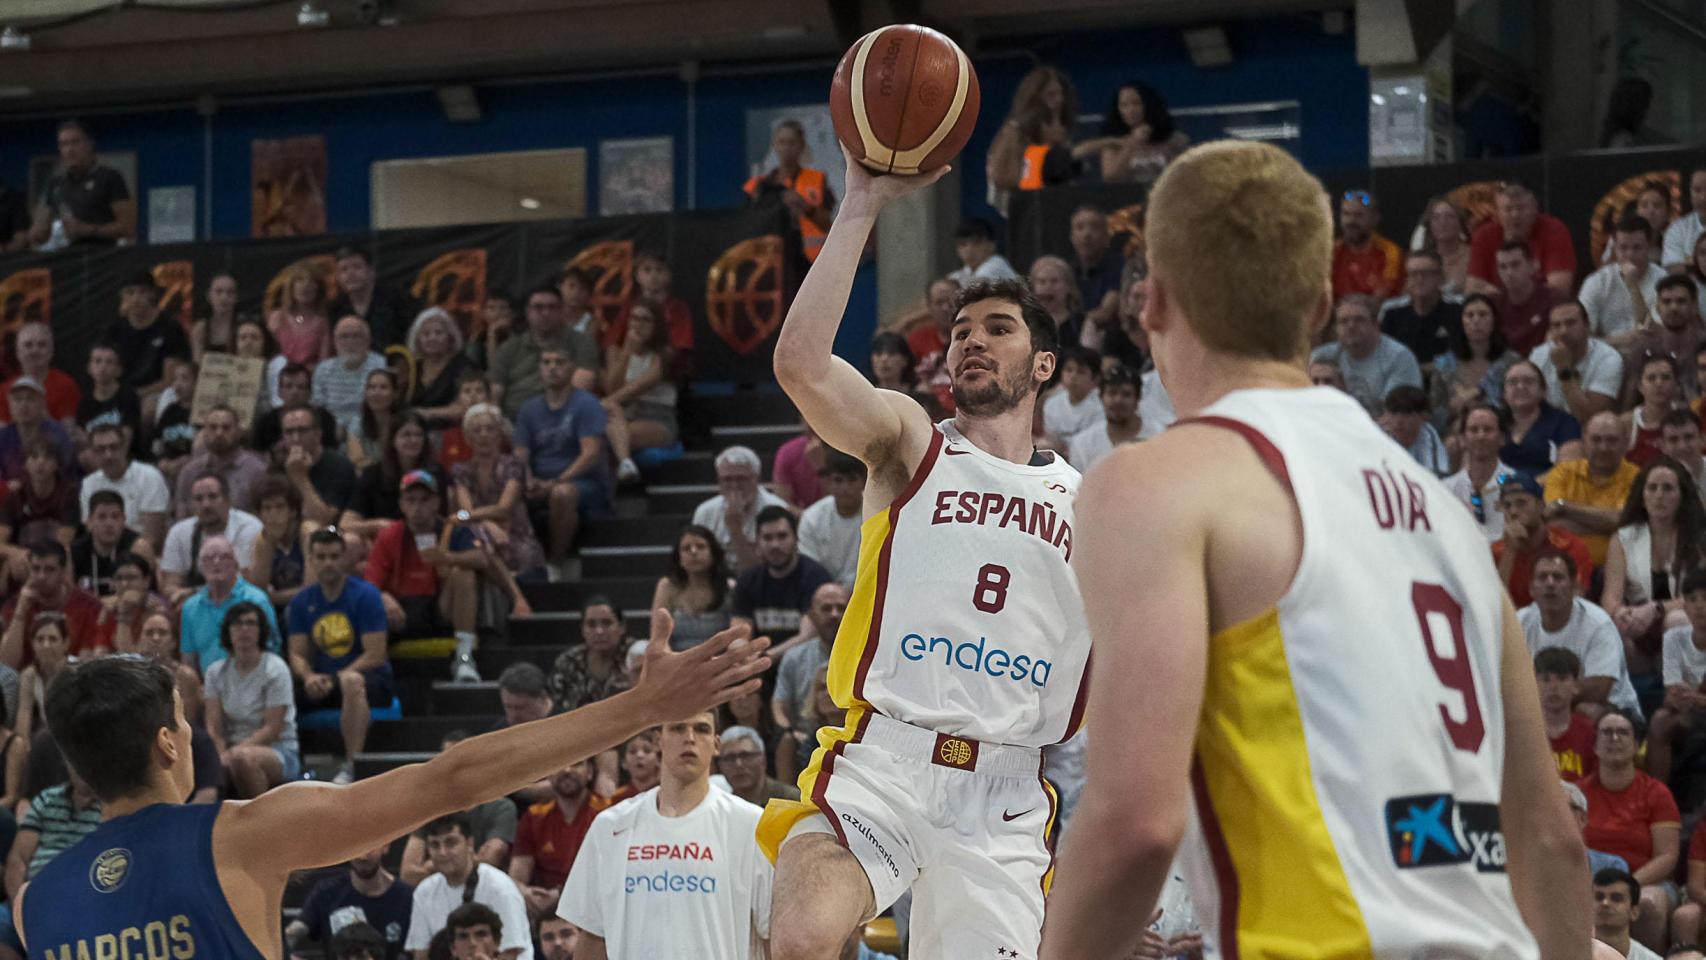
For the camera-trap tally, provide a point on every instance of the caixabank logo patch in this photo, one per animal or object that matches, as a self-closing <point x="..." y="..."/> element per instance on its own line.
<point x="1435" y="829"/>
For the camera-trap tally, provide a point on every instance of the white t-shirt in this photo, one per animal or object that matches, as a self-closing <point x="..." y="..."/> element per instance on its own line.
<point x="143" y="488"/>
<point x="1370" y="379"/>
<point x="1610" y="307"/>
<point x="1155" y="406"/>
<point x="995" y="268"/>
<point x="435" y="898"/>
<point x="1680" y="238"/>
<point x="1087" y="447"/>
<point x="1601" y="371"/>
<point x="713" y="515"/>
<point x="653" y="886"/>
<point x="831" y="539"/>
<point x="1684" y="663"/>
<point x="241" y="528"/>
<point x="1063" y="418"/>
<point x="1592" y="636"/>
<point x="1492" y="519"/>
<point x="1637" y="951"/>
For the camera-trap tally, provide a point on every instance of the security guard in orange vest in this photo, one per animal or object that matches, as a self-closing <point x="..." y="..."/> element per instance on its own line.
<point x="801" y="189"/>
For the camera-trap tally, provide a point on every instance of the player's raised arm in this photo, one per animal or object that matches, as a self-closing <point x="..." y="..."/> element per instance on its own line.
<point x="1545" y="855"/>
<point x="840" y="404"/>
<point x="305" y="825"/>
<point x="1134" y="806"/>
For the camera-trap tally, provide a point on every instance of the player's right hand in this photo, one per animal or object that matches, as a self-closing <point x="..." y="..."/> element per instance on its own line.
<point x="675" y="685"/>
<point x="867" y="185"/>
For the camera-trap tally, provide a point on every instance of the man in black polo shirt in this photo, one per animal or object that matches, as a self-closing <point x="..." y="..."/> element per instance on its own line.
<point x="86" y="203"/>
<point x="144" y="337"/>
<point x="1423" y="318"/>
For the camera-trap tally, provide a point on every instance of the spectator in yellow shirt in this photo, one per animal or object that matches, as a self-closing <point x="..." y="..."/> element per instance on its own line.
<point x="1586" y="496"/>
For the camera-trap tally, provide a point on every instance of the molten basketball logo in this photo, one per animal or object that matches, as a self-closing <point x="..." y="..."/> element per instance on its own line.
<point x="455" y="281"/>
<point x="743" y="293"/>
<point x="611" y="265"/>
<point x="176" y="280"/>
<point x="109" y="870"/>
<point x="26" y="297"/>
<point x="322" y="266"/>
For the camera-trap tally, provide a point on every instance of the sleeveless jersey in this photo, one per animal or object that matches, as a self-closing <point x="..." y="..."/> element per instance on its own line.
<point x="1350" y="751"/>
<point x="141" y="885"/>
<point x="965" y="616"/>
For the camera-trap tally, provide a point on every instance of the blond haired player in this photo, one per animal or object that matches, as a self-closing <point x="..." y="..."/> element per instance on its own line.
<point x="964" y="647"/>
<point x="1300" y="640"/>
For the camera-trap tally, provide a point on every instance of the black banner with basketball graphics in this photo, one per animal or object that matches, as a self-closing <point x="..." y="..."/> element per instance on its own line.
<point x="733" y="267"/>
<point x="1587" y="191"/>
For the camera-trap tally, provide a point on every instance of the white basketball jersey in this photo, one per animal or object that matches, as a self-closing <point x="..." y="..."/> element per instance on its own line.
<point x="966" y="617"/>
<point x="1351" y="748"/>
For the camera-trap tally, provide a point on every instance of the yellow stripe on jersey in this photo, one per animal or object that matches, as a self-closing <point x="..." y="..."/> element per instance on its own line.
<point x="1048" y="832"/>
<point x="1293" y="898"/>
<point x="780" y="816"/>
<point x="854" y="637"/>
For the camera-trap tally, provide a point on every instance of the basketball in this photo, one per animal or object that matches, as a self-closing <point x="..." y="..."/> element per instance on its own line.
<point x="904" y="99"/>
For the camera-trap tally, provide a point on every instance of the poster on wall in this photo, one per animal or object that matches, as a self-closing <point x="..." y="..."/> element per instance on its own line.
<point x="636" y="176"/>
<point x="171" y="215"/>
<point x="823" y="152"/>
<point x="288" y="186"/>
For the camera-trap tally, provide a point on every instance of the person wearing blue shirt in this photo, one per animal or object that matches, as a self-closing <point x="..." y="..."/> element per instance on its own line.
<point x="204" y="611"/>
<point x="560" y="436"/>
<point x="337" y="646"/>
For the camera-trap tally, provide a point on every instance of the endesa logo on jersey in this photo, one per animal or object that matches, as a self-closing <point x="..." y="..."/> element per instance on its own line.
<point x="1434" y="829"/>
<point x="976" y="657"/>
<point x="670" y="881"/>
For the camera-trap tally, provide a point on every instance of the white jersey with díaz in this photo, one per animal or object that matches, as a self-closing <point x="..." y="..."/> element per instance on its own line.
<point x="966" y="617"/>
<point x="1350" y="750"/>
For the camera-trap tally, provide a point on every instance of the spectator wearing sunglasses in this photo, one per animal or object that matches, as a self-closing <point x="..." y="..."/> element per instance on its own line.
<point x="1363" y="260"/>
<point x="1481" y="430"/>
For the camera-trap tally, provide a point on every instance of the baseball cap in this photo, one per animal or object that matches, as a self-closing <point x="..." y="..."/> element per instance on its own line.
<point x="418" y="478"/>
<point x="27" y="383"/>
<point x="1519" y="482"/>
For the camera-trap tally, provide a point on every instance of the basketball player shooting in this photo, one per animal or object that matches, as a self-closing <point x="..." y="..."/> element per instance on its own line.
<point x="1300" y="640"/>
<point x="161" y="878"/>
<point x="964" y="647"/>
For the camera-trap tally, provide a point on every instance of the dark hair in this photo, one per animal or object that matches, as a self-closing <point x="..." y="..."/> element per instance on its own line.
<point x="357" y="936"/>
<point x="1516" y="245"/>
<point x="77" y="124"/>
<point x="718" y="574"/>
<point x="106" y="713"/>
<point x="1457" y="341"/>
<point x="1084" y="357"/>
<point x="110" y="347"/>
<point x="1680" y="417"/>
<point x="369" y="423"/>
<point x="974" y="228"/>
<point x="390" y="464"/>
<point x="1635" y="223"/>
<point x="659" y="342"/>
<point x="1648" y="360"/>
<point x="105" y="498"/>
<point x="1405" y="399"/>
<point x="273" y="486"/>
<point x="1557" y="662"/>
<point x="457" y="820"/>
<point x="108" y="426"/>
<point x="1635" y="722"/>
<point x="294" y="369"/>
<point x="326" y="536"/>
<point x="1693" y="580"/>
<point x="49" y="548"/>
<point x="888" y="342"/>
<point x="598" y="600"/>
<point x="1502" y="415"/>
<point x="345" y="253"/>
<point x="523" y="679"/>
<point x="1610" y="875"/>
<point x="132" y="560"/>
<point x="1553" y="553"/>
<point x="231" y="615"/>
<point x="578" y="275"/>
<point x="648" y="255"/>
<point x="545" y="288"/>
<point x="776" y="512"/>
<point x="1690" y="513"/>
<point x="1678" y="281"/>
<point x="838" y="464"/>
<point x="474" y="914"/>
<point x="1045" y="337"/>
<point x="1120" y="375"/>
<point x="1155" y="113"/>
<point x="1576" y="305"/>
<point x="1626" y="110"/>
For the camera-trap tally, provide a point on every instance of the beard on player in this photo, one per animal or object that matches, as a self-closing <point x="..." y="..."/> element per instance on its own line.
<point x="996" y="395"/>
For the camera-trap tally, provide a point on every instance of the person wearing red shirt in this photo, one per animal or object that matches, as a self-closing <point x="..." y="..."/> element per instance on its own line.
<point x="548" y="837"/>
<point x="34" y="352"/>
<point x="425" y="571"/>
<point x="652" y="283"/>
<point x="1685" y="923"/>
<point x="1557" y="672"/>
<point x="1633" y="816"/>
<point x="1363" y="260"/>
<point x="1527" y="536"/>
<point x="49" y="588"/>
<point x="1517" y="217"/>
<point x="1524" y="306"/>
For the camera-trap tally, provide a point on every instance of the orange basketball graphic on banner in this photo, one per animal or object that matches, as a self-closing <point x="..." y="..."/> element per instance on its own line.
<point x="25" y="297"/>
<point x="176" y="279"/>
<point x="322" y="266"/>
<point x="1621" y="199"/>
<point x="743" y="293"/>
<point x="455" y="281"/>
<point x="611" y="265"/>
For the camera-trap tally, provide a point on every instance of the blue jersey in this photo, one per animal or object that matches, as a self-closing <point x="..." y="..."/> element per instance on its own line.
<point x="142" y="885"/>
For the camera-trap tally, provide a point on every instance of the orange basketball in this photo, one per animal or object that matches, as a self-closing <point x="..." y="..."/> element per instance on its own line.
<point x="904" y="99"/>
